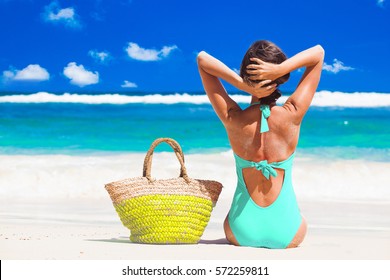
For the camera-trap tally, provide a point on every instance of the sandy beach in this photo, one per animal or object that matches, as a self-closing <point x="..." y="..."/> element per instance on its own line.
<point x="70" y="240"/>
<point x="55" y="207"/>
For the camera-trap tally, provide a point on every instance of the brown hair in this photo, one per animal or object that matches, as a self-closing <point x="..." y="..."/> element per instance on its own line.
<point x="268" y="52"/>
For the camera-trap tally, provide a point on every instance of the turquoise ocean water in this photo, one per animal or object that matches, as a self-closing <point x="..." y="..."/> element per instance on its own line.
<point x="45" y="123"/>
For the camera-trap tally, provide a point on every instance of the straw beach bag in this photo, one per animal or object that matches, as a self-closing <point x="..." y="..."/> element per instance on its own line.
<point x="166" y="211"/>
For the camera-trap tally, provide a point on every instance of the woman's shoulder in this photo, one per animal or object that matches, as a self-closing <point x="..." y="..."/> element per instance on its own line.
<point x="285" y="113"/>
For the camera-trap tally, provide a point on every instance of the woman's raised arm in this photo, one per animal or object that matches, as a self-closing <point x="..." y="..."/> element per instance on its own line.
<point x="210" y="70"/>
<point x="302" y="97"/>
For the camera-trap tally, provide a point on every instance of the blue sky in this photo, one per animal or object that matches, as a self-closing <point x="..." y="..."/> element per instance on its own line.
<point x="151" y="46"/>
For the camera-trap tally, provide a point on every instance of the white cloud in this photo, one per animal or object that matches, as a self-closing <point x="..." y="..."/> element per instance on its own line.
<point x="380" y="3"/>
<point x="8" y="75"/>
<point x="336" y="67"/>
<point x="127" y="84"/>
<point x="68" y="17"/>
<point x="166" y="50"/>
<point x="101" y="57"/>
<point x="138" y="53"/>
<point x="32" y="72"/>
<point x="79" y="76"/>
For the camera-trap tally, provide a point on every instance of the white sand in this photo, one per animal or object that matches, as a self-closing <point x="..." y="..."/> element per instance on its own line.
<point x="336" y="231"/>
<point x="55" y="207"/>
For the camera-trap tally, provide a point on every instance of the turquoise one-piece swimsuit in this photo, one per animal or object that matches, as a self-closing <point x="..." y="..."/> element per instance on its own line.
<point x="273" y="226"/>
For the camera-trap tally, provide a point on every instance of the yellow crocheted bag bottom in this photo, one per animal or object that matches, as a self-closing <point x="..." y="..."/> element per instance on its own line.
<point x="165" y="219"/>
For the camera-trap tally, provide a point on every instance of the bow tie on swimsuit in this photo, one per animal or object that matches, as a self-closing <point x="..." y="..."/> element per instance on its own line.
<point x="265" y="168"/>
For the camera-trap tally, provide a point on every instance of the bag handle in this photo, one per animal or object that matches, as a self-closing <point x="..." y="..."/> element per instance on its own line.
<point x="179" y="154"/>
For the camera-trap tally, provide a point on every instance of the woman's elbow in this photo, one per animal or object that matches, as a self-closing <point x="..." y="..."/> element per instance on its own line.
<point x="320" y="52"/>
<point x="201" y="57"/>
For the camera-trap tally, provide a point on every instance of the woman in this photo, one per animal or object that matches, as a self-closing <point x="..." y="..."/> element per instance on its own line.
<point x="263" y="137"/>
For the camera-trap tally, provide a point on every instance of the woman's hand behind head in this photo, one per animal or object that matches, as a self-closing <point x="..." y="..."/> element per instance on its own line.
<point x="261" y="89"/>
<point x="260" y="70"/>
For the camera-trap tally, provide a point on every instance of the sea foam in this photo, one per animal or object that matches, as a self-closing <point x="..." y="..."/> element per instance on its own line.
<point x="72" y="177"/>
<point x="321" y="99"/>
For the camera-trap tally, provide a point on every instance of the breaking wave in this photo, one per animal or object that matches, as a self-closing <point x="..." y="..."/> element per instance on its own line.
<point x="321" y="99"/>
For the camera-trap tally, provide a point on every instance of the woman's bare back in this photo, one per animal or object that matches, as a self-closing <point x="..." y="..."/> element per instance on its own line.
<point x="275" y="145"/>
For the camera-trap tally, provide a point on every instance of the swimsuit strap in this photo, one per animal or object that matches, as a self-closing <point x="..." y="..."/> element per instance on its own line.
<point x="265" y="113"/>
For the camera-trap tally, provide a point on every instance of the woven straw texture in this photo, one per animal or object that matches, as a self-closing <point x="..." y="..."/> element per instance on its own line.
<point x="168" y="211"/>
